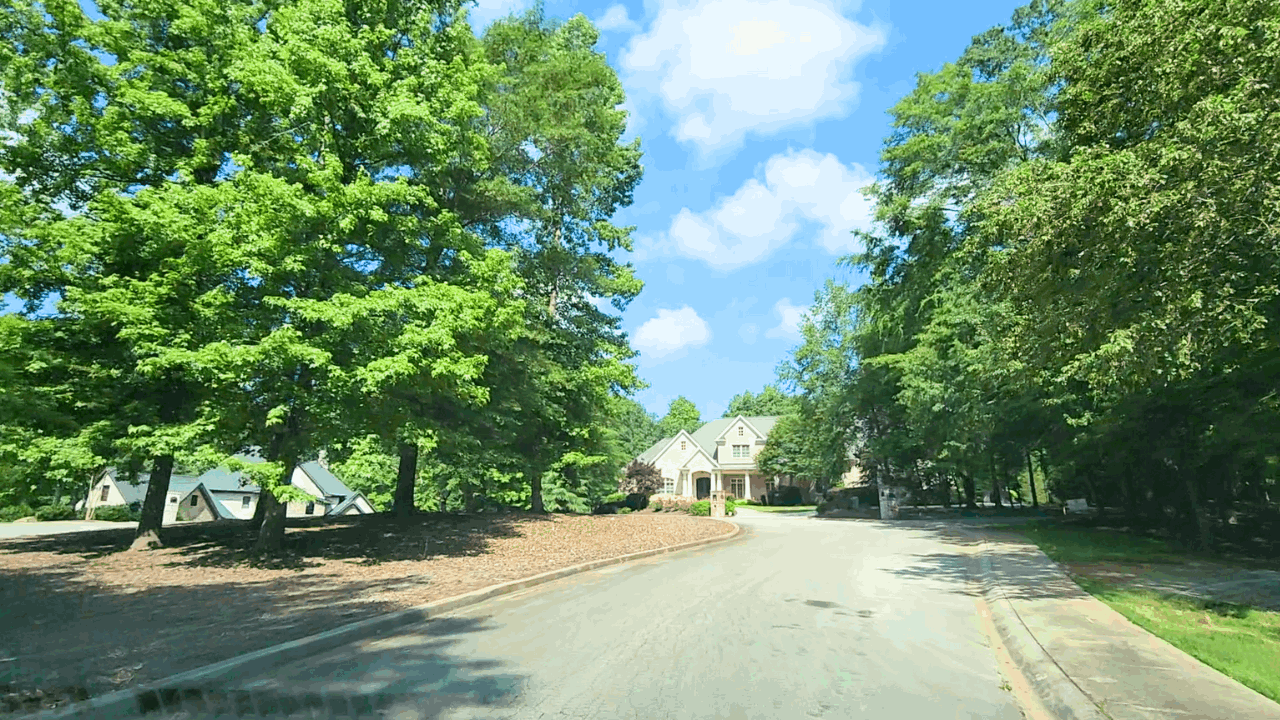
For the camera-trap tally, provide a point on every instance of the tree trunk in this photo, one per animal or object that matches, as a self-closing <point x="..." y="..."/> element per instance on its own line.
<point x="995" y="484"/>
<point x="1044" y="473"/>
<point x="271" y="534"/>
<point x="148" y="533"/>
<point x="1198" y="514"/>
<point x="535" y="494"/>
<point x="406" y="480"/>
<point x="1031" y="478"/>
<point x="970" y="492"/>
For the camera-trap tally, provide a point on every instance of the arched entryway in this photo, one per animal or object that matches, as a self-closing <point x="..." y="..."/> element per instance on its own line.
<point x="702" y="485"/>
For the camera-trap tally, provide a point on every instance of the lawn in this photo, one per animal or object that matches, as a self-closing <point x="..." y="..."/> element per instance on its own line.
<point x="1240" y="641"/>
<point x="1082" y="545"/>
<point x="781" y="508"/>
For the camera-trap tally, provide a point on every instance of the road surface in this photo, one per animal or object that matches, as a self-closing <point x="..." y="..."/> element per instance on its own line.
<point x="798" y="618"/>
<point x="57" y="527"/>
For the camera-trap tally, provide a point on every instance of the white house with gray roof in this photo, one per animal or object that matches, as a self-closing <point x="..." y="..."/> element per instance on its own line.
<point x="221" y="494"/>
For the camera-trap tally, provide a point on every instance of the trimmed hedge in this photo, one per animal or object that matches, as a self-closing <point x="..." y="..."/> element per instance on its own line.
<point x="701" y="508"/>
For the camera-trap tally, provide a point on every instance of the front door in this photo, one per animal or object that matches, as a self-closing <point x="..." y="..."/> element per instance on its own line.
<point x="704" y="487"/>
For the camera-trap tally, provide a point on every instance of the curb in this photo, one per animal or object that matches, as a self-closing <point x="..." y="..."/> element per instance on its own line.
<point x="1058" y="693"/>
<point x="135" y="702"/>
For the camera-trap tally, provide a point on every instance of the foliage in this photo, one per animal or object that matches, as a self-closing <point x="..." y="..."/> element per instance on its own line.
<point x="615" y="497"/>
<point x="656" y="506"/>
<point x="10" y="513"/>
<point x="116" y="513"/>
<point x="56" y="512"/>
<point x="642" y="478"/>
<point x="701" y="508"/>
<point x="624" y="510"/>
<point x="770" y="401"/>
<point x="682" y="414"/>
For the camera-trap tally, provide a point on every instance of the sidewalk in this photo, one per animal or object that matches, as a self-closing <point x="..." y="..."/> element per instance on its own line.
<point x="1122" y="669"/>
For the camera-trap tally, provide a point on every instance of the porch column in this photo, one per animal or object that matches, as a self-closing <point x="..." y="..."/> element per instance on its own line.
<point x="746" y="484"/>
<point x="688" y="486"/>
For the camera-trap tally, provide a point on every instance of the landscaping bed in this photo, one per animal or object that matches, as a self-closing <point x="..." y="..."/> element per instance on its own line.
<point x="82" y="615"/>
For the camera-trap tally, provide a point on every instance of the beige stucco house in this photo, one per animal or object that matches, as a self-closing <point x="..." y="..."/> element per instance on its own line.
<point x="720" y="455"/>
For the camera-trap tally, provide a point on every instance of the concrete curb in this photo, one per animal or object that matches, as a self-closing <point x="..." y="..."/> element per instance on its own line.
<point x="1056" y="691"/>
<point x="156" y="696"/>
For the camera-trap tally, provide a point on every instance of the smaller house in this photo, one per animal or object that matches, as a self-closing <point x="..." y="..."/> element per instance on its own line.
<point x="221" y="494"/>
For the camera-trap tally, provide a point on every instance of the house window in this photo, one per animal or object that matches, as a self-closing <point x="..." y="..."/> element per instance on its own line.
<point x="741" y="451"/>
<point x="106" y="490"/>
<point x="739" y="431"/>
<point x="682" y="443"/>
<point x="769" y="485"/>
<point x="669" y="486"/>
<point x="311" y="508"/>
<point x="195" y="500"/>
<point x="244" y="502"/>
<point x="737" y="486"/>
<point x="173" y="499"/>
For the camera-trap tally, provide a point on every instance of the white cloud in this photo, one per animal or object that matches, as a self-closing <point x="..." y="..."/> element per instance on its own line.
<point x="791" y="317"/>
<point x="615" y="19"/>
<point x="760" y="217"/>
<point x="670" y="332"/>
<point x="723" y="68"/>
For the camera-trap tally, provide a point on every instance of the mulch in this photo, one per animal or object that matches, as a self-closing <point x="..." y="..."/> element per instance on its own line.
<point x="82" y="615"/>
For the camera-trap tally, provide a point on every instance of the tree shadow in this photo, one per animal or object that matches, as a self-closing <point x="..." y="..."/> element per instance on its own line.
<point x="63" y="640"/>
<point x="366" y="539"/>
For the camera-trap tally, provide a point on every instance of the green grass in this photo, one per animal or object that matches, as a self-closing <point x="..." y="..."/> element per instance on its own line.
<point x="1068" y="544"/>
<point x="1240" y="641"/>
<point x="781" y="508"/>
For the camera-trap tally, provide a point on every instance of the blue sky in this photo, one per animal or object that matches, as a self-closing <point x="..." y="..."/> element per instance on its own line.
<point x="760" y="121"/>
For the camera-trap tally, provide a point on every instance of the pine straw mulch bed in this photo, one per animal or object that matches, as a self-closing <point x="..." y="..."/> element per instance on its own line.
<point x="81" y="615"/>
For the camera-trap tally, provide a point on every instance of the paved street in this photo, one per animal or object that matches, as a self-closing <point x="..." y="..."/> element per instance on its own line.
<point x="797" y="618"/>
<point x="56" y="527"/>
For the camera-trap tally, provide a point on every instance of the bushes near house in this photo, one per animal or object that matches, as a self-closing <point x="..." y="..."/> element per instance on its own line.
<point x="701" y="507"/>
<point x="615" y="497"/>
<point x="786" y="495"/>
<point x="56" y="512"/>
<point x="624" y="510"/>
<point x="15" y="512"/>
<point x="115" y="513"/>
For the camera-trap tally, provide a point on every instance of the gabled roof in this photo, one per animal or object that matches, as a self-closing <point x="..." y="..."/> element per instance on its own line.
<point x="655" y="450"/>
<point x="136" y="493"/>
<point x="327" y="482"/>
<point x="351" y="500"/>
<point x="707" y="435"/>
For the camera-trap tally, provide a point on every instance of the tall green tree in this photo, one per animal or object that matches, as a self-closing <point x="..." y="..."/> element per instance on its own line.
<point x="770" y="401"/>
<point x="682" y="414"/>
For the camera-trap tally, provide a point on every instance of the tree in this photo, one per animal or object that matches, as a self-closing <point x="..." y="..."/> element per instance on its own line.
<point x="635" y="427"/>
<point x="770" y="401"/>
<point x="682" y="414"/>
<point x="641" y="477"/>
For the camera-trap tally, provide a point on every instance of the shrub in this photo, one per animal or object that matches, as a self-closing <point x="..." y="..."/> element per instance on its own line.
<point x="656" y="506"/>
<point x="786" y="495"/>
<point x="730" y="507"/>
<point x="115" y="513"/>
<point x="643" y="478"/>
<point x="702" y="507"/>
<point x="624" y="510"/>
<point x="15" y="512"/>
<point x="615" y="497"/>
<point x="56" y="512"/>
<point x="637" y="501"/>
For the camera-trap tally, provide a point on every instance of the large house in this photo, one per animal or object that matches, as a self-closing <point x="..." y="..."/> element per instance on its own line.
<point x="221" y="494"/>
<point x="720" y="455"/>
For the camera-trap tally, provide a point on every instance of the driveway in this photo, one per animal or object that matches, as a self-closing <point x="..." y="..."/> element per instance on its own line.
<point x="796" y="618"/>
<point x="56" y="527"/>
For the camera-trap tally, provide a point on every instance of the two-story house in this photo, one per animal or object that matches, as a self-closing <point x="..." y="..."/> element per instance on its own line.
<point x="720" y="455"/>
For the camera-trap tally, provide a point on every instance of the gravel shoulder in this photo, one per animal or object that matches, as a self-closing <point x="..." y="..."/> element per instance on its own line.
<point x="82" y="615"/>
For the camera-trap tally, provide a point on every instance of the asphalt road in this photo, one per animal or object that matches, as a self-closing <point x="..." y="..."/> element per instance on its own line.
<point x="797" y="618"/>
<point x="57" y="527"/>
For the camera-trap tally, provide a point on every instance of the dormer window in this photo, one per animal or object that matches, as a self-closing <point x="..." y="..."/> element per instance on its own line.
<point x="682" y="444"/>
